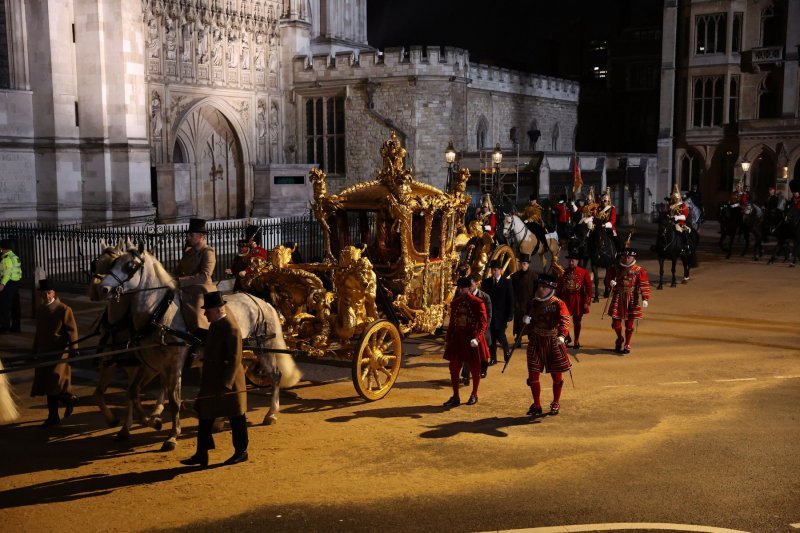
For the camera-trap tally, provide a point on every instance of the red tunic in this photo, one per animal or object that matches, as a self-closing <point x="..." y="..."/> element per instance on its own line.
<point x="549" y="320"/>
<point x="467" y="321"/>
<point x="683" y="209"/>
<point x="562" y="211"/>
<point x="491" y="221"/>
<point x="626" y="297"/>
<point x="575" y="290"/>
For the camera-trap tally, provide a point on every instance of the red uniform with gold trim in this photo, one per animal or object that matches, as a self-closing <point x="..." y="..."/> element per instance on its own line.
<point x="608" y="214"/>
<point x="632" y="287"/>
<point x="562" y="212"/>
<point x="680" y="209"/>
<point x="549" y="319"/>
<point x="575" y="290"/>
<point x="467" y="321"/>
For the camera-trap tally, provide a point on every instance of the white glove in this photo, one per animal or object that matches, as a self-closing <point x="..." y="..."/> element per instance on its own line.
<point x="487" y="227"/>
<point x="613" y="283"/>
<point x="561" y="339"/>
<point x="474" y="343"/>
<point x="680" y="217"/>
<point x="607" y="225"/>
<point x="644" y="304"/>
<point x="526" y="319"/>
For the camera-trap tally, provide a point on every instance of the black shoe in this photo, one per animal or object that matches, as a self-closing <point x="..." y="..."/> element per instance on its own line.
<point x="51" y="422"/>
<point x="472" y="399"/>
<point x="534" y="411"/>
<point x="236" y="458"/>
<point x="454" y="401"/>
<point x="626" y="349"/>
<point x="483" y="374"/>
<point x="465" y="381"/>
<point x="197" y="459"/>
<point x="577" y="346"/>
<point x="568" y="341"/>
<point x="69" y="400"/>
<point x="554" y="408"/>
<point x="492" y="362"/>
<point x="618" y="347"/>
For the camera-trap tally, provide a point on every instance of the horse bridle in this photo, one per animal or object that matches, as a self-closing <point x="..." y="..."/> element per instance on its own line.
<point x="525" y="232"/>
<point x="130" y="269"/>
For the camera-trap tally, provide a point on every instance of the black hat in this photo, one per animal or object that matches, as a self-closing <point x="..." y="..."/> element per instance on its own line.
<point x="573" y="255"/>
<point x="44" y="285"/>
<point x="533" y="196"/>
<point x="243" y="242"/>
<point x="253" y="233"/>
<point x="197" y="225"/>
<point x="524" y="258"/>
<point x="547" y="280"/>
<point x="496" y="263"/>
<point x="5" y="244"/>
<point x="212" y="299"/>
<point x="630" y="252"/>
<point x="463" y="282"/>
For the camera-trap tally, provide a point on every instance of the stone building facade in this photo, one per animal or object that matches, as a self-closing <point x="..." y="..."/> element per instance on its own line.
<point x="114" y="110"/>
<point x="730" y="93"/>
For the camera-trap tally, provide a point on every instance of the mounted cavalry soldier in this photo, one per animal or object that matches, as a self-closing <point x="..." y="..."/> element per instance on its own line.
<point x="487" y="216"/>
<point x="607" y="213"/>
<point x="630" y="293"/>
<point x="194" y="273"/>
<point x="532" y="217"/>
<point x="679" y="211"/>
<point x="575" y="290"/>
<point x="547" y="323"/>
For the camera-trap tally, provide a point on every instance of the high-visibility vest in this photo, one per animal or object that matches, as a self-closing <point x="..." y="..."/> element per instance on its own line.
<point x="10" y="268"/>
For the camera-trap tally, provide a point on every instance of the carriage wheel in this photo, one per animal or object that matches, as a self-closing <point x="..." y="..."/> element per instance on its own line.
<point x="251" y="365"/>
<point x="506" y="255"/>
<point x="376" y="363"/>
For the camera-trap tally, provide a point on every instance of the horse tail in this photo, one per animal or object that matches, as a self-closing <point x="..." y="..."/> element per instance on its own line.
<point x="8" y="407"/>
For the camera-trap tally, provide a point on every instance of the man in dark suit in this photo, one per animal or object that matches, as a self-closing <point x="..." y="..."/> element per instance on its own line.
<point x="501" y="293"/>
<point x="475" y="283"/>
<point x="524" y="283"/>
<point x="222" y="386"/>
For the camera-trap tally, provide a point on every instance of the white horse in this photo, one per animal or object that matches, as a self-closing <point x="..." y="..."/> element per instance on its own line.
<point x="8" y="407"/>
<point x="515" y="229"/>
<point x="139" y="274"/>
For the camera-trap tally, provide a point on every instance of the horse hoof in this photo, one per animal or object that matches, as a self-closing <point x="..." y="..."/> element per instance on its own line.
<point x="673" y="285"/>
<point x="660" y="288"/>
<point x="157" y="424"/>
<point x="168" y="446"/>
<point x="270" y="420"/>
<point x="122" y="437"/>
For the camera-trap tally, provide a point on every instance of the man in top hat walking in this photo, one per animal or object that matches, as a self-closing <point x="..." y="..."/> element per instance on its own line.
<point x="575" y="290"/>
<point x="223" y="389"/>
<point x="524" y="283"/>
<point x="501" y="293"/>
<point x="55" y="330"/>
<point x="194" y="273"/>
<point x="547" y="321"/>
<point x="630" y="295"/>
<point x="465" y="342"/>
<point x="10" y="276"/>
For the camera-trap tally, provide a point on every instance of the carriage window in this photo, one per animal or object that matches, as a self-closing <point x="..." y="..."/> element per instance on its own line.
<point x="436" y="236"/>
<point x="385" y="245"/>
<point x="418" y="233"/>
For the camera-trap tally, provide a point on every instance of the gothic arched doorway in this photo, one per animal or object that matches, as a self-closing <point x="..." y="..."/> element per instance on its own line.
<point x="207" y="141"/>
<point x="762" y="175"/>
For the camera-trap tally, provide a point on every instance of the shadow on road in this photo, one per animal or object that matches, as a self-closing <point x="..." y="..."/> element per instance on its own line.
<point x="412" y="412"/>
<point x="487" y="426"/>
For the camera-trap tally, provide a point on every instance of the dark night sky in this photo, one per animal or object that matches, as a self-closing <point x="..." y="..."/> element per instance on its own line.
<point x="541" y="36"/>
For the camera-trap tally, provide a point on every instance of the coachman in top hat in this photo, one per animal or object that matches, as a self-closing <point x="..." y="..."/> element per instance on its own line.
<point x="194" y="273"/>
<point x="630" y="293"/>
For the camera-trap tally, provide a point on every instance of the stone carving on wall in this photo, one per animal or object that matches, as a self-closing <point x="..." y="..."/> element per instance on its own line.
<point x="274" y="130"/>
<point x="153" y="41"/>
<point x="245" y="53"/>
<point x="217" y="52"/>
<point x="202" y="43"/>
<point x="169" y="35"/>
<point x="261" y="129"/>
<point x="186" y="48"/>
<point x="155" y="115"/>
<point x="232" y="56"/>
<point x="258" y="56"/>
<point x="244" y="110"/>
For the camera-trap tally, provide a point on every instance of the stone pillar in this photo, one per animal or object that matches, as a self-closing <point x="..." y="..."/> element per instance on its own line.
<point x="544" y="178"/>
<point x="174" y="192"/>
<point x="281" y="190"/>
<point x="17" y="44"/>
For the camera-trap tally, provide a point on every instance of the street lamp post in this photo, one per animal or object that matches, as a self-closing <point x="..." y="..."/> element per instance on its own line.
<point x="450" y="158"/>
<point x="497" y="158"/>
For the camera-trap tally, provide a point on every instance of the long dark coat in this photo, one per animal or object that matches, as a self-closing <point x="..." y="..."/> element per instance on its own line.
<point x="222" y="369"/>
<point x="194" y="277"/>
<point x="55" y="328"/>
<point x="487" y="304"/>
<point x="524" y="285"/>
<point x="502" y="295"/>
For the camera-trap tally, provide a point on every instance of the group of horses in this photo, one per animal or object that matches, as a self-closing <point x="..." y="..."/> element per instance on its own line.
<point x="760" y="224"/>
<point x="144" y="312"/>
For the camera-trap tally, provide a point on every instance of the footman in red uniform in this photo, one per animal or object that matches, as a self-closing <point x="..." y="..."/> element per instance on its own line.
<point x="575" y="290"/>
<point x="547" y="321"/>
<point x="630" y="293"/>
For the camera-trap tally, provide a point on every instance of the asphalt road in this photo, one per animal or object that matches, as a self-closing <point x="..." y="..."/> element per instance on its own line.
<point x="699" y="425"/>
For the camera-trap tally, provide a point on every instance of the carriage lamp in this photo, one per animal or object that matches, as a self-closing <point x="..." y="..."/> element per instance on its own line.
<point x="450" y="153"/>
<point x="785" y="172"/>
<point x="745" y="165"/>
<point x="497" y="155"/>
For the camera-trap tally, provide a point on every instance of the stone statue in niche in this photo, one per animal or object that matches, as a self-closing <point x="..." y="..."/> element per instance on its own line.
<point x="186" y="49"/>
<point x="218" y="51"/>
<point x="153" y="39"/>
<point x="155" y="115"/>
<point x="258" y="55"/>
<point x="274" y="123"/>
<point x="262" y="119"/>
<point x="169" y="34"/>
<point x="202" y="43"/>
<point x="245" y="52"/>
<point x="232" y="56"/>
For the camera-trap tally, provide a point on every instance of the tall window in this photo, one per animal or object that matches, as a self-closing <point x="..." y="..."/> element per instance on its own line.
<point x="710" y="33"/>
<point x="733" y="100"/>
<point x="690" y="172"/>
<point x="708" y="93"/>
<point x="771" y="28"/>
<point x="555" y="138"/>
<point x="736" y="37"/>
<point x="768" y="97"/>
<point x="481" y="133"/>
<point x="325" y="133"/>
<point x="5" y="79"/>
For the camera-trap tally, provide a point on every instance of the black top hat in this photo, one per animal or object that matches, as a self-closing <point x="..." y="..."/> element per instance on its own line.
<point x="547" y="280"/>
<point x="533" y="196"/>
<point x="44" y="285"/>
<point x="631" y="252"/>
<point x="253" y="233"/>
<point x="212" y="299"/>
<point x="573" y="255"/>
<point x="524" y="258"/>
<point x="463" y="282"/>
<point x="496" y="263"/>
<point x="197" y="225"/>
<point x="5" y="244"/>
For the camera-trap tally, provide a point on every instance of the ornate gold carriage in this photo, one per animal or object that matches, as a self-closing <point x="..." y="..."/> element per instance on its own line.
<point x="389" y="270"/>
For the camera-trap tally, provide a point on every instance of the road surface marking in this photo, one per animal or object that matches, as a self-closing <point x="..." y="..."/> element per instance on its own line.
<point x="679" y="383"/>
<point x="734" y="379"/>
<point x="614" y="386"/>
<point x="787" y="377"/>
<point x="624" y="526"/>
<point x="796" y="526"/>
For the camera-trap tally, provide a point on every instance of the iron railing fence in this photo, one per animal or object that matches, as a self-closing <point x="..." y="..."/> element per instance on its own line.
<point x="63" y="254"/>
